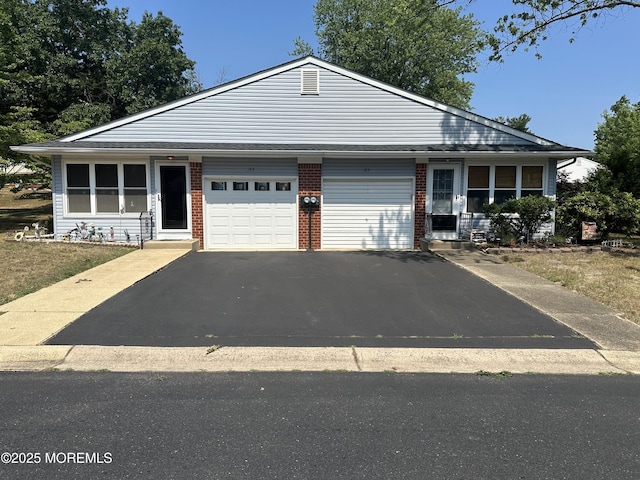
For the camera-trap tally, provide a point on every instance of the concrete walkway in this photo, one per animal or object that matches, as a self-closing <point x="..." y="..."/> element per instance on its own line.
<point x="29" y="321"/>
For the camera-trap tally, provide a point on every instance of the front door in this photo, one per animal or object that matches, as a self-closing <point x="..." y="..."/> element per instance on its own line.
<point x="172" y="198"/>
<point x="443" y="200"/>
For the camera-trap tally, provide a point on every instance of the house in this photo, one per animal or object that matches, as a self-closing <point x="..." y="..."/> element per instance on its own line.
<point x="578" y="169"/>
<point x="232" y="165"/>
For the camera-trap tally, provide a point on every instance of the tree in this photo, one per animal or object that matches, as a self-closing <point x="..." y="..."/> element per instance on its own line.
<point x="16" y="127"/>
<point x="618" y="147"/>
<point x="153" y="69"/>
<point x="418" y="45"/>
<point x="519" y="123"/>
<point x="68" y="65"/>
<point x="530" y="25"/>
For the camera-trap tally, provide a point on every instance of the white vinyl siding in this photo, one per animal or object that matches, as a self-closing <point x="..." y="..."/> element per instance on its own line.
<point x="367" y="213"/>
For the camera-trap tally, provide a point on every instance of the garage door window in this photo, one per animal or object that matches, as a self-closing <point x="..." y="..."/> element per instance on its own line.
<point x="261" y="186"/>
<point x="218" y="185"/>
<point x="241" y="186"/>
<point x="283" y="186"/>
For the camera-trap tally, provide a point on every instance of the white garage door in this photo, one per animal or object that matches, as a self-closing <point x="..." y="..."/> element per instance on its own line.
<point x="368" y="213"/>
<point x="255" y="214"/>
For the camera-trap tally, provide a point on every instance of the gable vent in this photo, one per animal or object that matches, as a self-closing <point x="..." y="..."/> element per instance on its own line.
<point x="310" y="82"/>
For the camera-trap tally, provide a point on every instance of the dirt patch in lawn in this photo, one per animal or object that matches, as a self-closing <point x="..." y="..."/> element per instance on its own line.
<point x="610" y="278"/>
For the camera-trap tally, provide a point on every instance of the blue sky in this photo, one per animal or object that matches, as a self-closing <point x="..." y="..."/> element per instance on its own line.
<point x="565" y="92"/>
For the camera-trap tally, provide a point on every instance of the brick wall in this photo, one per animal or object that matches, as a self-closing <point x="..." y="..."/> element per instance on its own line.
<point x="421" y="200"/>
<point x="309" y="183"/>
<point x="197" y="230"/>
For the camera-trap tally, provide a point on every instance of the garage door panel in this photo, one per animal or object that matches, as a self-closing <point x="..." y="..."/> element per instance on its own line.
<point x="367" y="213"/>
<point x="265" y="219"/>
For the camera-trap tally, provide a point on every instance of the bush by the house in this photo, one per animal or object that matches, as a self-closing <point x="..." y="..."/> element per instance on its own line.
<point x="519" y="218"/>
<point x="614" y="212"/>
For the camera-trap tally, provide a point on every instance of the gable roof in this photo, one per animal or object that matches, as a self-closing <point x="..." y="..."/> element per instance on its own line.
<point x="267" y="111"/>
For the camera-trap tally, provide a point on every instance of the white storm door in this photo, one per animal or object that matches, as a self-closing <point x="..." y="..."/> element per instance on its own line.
<point x="173" y="200"/>
<point x="443" y="200"/>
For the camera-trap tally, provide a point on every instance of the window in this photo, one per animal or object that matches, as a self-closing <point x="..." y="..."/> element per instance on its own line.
<point x="241" y="185"/>
<point x="442" y="201"/>
<point x="505" y="184"/>
<point x="106" y="188"/>
<point x="283" y="186"/>
<point x="218" y="185"/>
<point x="78" y="189"/>
<point x="107" y="196"/>
<point x="135" y="188"/>
<point x="531" y="181"/>
<point x="477" y="188"/>
<point x="489" y="184"/>
<point x="261" y="186"/>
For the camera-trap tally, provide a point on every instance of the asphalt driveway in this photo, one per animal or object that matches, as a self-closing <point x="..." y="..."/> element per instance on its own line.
<point x="386" y="299"/>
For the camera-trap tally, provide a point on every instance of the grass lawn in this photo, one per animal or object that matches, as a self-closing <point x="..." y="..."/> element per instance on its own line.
<point x="23" y="209"/>
<point x="607" y="277"/>
<point x="29" y="266"/>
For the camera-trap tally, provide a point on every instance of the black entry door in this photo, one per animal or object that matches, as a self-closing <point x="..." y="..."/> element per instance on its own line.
<point x="173" y="187"/>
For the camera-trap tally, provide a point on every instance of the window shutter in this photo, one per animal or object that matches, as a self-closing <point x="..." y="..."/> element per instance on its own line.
<point x="310" y="82"/>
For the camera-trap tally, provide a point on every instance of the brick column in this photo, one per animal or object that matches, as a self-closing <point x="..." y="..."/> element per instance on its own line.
<point x="197" y="230"/>
<point x="309" y="183"/>
<point x="421" y="203"/>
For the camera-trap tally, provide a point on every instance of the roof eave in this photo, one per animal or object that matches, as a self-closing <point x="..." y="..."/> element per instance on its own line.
<point x="292" y="152"/>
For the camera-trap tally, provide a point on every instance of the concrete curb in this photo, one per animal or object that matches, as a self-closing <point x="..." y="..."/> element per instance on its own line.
<point x="30" y="358"/>
<point x="352" y="359"/>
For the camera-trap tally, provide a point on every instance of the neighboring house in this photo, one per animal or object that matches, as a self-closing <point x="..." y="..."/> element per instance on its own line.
<point x="578" y="169"/>
<point x="230" y="165"/>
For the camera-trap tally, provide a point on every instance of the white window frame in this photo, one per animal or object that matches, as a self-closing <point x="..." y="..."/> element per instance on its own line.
<point x="93" y="189"/>
<point x="492" y="180"/>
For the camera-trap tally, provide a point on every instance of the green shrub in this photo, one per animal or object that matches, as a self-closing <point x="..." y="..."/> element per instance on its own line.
<point x="614" y="212"/>
<point x="520" y="217"/>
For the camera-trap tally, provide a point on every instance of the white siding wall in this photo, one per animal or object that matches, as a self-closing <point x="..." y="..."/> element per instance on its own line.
<point x="272" y="110"/>
<point x="284" y="167"/>
<point x="339" y="167"/>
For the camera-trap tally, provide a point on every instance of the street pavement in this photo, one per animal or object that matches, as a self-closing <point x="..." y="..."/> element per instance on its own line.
<point x="613" y="344"/>
<point x="320" y="425"/>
